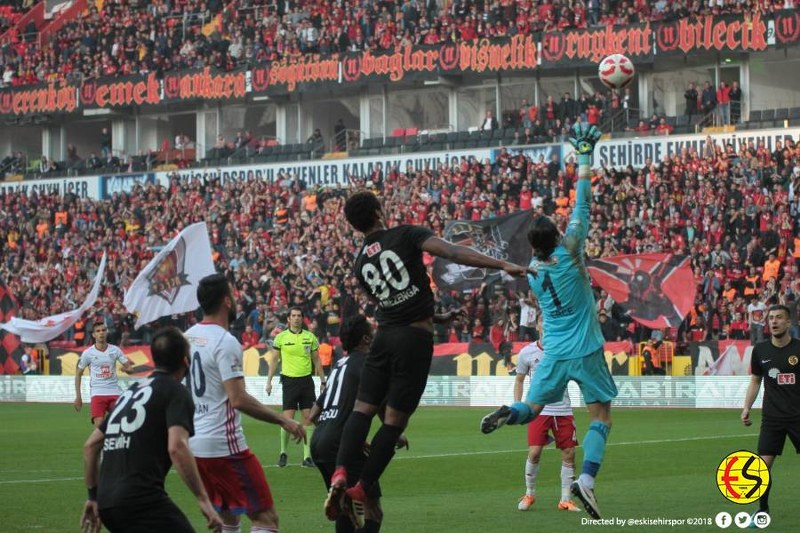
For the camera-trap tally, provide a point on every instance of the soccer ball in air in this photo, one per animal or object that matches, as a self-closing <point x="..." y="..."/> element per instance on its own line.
<point x="616" y="71"/>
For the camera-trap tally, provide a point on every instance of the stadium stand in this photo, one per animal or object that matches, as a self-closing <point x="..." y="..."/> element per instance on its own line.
<point x="128" y="37"/>
<point x="735" y="213"/>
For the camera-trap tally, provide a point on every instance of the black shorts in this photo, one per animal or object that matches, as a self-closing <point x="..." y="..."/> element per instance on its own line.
<point x="161" y="516"/>
<point x="773" y="435"/>
<point x="327" y="469"/>
<point x="298" y="393"/>
<point x="396" y="369"/>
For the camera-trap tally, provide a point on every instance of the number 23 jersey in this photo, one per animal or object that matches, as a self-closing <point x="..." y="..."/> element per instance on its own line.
<point x="390" y="268"/>
<point x="216" y="358"/>
<point x="135" y="455"/>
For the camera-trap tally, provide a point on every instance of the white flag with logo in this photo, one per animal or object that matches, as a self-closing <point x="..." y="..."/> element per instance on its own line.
<point x="168" y="284"/>
<point x="48" y="328"/>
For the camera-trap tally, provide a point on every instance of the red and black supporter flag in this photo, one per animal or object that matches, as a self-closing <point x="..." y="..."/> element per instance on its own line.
<point x="10" y="345"/>
<point x="504" y="238"/>
<point x="658" y="289"/>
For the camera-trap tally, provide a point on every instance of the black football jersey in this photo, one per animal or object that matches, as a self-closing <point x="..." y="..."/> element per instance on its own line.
<point x="336" y="404"/>
<point x="135" y="457"/>
<point x="390" y="268"/>
<point x="780" y="370"/>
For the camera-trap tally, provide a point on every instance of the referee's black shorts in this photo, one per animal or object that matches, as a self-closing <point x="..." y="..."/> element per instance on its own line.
<point x="161" y="516"/>
<point x="773" y="435"/>
<point x="396" y="369"/>
<point x="298" y="393"/>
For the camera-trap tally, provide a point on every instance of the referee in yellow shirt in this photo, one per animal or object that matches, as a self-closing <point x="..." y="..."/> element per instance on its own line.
<point x="297" y="350"/>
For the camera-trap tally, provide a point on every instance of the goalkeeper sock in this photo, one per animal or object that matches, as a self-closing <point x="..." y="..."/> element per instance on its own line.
<point x="520" y="414"/>
<point x="594" y="445"/>
<point x="567" y="477"/>
<point x="531" y="473"/>
<point x="284" y="440"/>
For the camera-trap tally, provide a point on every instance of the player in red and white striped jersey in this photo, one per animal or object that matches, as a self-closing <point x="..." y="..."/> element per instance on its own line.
<point x="232" y="475"/>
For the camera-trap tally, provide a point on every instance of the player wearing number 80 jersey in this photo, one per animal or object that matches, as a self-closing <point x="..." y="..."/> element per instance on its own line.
<point x="389" y="266"/>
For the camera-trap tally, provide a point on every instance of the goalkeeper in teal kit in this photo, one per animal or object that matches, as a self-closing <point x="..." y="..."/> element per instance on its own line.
<point x="572" y="341"/>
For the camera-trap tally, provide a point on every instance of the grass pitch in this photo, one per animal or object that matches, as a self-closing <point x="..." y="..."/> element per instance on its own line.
<point x="659" y="464"/>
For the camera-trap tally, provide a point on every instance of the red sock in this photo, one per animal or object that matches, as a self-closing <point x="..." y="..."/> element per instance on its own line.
<point x="339" y="474"/>
<point x="357" y="493"/>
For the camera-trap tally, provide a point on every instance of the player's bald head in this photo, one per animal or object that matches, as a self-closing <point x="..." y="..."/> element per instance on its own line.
<point x="170" y="349"/>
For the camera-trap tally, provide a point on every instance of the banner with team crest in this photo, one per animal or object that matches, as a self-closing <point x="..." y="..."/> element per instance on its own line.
<point x="168" y="284"/>
<point x="504" y="238"/>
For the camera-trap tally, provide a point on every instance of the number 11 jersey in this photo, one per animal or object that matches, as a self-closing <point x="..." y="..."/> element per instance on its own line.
<point x="216" y="358"/>
<point x="390" y="268"/>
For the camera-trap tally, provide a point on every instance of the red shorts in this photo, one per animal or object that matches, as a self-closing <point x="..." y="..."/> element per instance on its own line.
<point x="562" y="427"/>
<point x="236" y="483"/>
<point x="102" y="405"/>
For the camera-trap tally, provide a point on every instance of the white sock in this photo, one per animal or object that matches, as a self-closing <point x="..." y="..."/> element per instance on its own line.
<point x="260" y="529"/>
<point x="531" y="473"/>
<point x="567" y="477"/>
<point x="232" y="529"/>
<point x="587" y="481"/>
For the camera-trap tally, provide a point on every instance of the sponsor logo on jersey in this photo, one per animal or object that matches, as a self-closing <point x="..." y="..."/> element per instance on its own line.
<point x="786" y="379"/>
<point x="169" y="275"/>
<point x="197" y="341"/>
<point x="373" y="249"/>
<point x="104" y="371"/>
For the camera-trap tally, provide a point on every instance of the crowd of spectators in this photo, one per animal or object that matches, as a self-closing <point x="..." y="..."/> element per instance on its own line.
<point x="734" y="210"/>
<point x="550" y="121"/>
<point x="134" y="36"/>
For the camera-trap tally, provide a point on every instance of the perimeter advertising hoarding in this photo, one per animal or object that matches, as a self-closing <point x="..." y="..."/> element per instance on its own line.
<point x="619" y="153"/>
<point x="327" y="173"/>
<point x="681" y="392"/>
<point x="87" y="187"/>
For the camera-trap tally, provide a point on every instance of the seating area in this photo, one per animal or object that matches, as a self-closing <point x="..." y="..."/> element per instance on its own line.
<point x="121" y="37"/>
<point x="402" y="140"/>
<point x="742" y="240"/>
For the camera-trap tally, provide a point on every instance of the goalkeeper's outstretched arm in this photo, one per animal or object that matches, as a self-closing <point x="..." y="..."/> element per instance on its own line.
<point x="578" y="228"/>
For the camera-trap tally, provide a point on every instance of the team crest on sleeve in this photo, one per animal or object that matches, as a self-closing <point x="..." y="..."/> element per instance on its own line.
<point x="373" y="249"/>
<point x="169" y="275"/>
